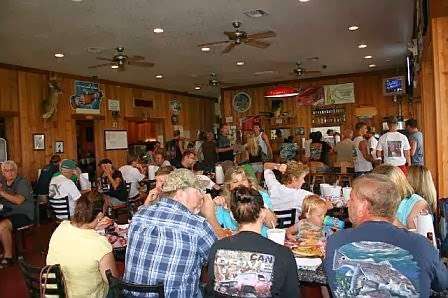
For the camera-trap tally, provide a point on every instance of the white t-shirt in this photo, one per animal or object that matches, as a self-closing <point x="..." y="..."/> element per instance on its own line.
<point x="282" y="197"/>
<point x="361" y="164"/>
<point x="372" y="144"/>
<point x="133" y="176"/>
<point x="393" y="145"/>
<point x="60" y="187"/>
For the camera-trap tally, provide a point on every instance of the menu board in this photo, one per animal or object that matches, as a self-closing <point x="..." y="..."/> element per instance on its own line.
<point x="116" y="139"/>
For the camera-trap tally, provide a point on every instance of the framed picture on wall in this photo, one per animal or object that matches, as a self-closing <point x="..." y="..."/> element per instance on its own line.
<point x="115" y="139"/>
<point x="59" y="147"/>
<point x="38" y="141"/>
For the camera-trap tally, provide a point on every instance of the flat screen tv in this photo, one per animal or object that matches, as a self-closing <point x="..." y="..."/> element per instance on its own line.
<point x="394" y="86"/>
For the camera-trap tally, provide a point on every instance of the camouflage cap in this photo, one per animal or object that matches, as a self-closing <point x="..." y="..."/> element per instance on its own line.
<point x="183" y="178"/>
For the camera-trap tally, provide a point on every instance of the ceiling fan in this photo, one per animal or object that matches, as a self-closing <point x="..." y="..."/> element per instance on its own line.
<point x="238" y="37"/>
<point x="120" y="60"/>
<point x="300" y="71"/>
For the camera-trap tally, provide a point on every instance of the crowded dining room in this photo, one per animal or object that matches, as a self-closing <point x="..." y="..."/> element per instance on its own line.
<point x="223" y="148"/>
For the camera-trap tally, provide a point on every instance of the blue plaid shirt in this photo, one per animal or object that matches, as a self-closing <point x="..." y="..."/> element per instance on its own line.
<point x="166" y="242"/>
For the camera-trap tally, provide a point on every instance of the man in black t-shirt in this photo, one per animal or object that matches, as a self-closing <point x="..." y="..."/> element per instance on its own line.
<point x="174" y="149"/>
<point x="46" y="174"/>
<point x="248" y="264"/>
<point x="224" y="148"/>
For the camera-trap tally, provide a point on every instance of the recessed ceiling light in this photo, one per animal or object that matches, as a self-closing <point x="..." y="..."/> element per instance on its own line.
<point x="256" y="13"/>
<point x="387" y="60"/>
<point x="205" y="49"/>
<point x="59" y="55"/>
<point x="240" y="63"/>
<point x="362" y="46"/>
<point x="115" y="66"/>
<point x="372" y="65"/>
<point x="197" y="88"/>
<point x="303" y="1"/>
<point x="158" y="30"/>
<point x="368" y="57"/>
<point x="353" y="28"/>
<point x="159" y="76"/>
<point x="77" y="0"/>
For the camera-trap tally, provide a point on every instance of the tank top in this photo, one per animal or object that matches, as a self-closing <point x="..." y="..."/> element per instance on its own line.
<point x="405" y="208"/>
<point x="262" y="144"/>
<point x="361" y="164"/>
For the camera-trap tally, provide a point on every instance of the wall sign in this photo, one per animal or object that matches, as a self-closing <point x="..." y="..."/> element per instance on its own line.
<point x="340" y="93"/>
<point x="113" y="105"/>
<point x="87" y="98"/>
<point x="241" y="102"/>
<point x="115" y="139"/>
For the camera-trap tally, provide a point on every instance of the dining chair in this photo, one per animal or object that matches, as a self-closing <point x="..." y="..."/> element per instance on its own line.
<point x="52" y="281"/>
<point x="118" y="288"/>
<point x="285" y="218"/>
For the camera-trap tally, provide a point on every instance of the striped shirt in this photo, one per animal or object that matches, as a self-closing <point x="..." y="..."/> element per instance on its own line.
<point x="166" y="242"/>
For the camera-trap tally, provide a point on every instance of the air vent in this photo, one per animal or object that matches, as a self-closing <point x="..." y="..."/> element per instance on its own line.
<point x="256" y="13"/>
<point x="143" y="103"/>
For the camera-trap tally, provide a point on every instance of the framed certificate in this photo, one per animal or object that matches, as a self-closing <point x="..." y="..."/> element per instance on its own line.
<point x="115" y="139"/>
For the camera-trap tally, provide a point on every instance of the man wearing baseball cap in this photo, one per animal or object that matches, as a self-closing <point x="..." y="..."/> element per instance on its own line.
<point x="168" y="241"/>
<point x="62" y="186"/>
<point x="394" y="146"/>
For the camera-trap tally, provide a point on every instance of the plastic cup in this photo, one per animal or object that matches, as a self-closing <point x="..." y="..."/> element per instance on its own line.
<point x="346" y="193"/>
<point x="277" y="235"/>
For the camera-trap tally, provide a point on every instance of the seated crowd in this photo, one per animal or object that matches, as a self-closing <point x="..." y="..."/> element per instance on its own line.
<point x="180" y="228"/>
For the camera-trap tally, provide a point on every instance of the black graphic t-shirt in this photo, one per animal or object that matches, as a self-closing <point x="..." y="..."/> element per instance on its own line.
<point x="250" y="265"/>
<point x="377" y="259"/>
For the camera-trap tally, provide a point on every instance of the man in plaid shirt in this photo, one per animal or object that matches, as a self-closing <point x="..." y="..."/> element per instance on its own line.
<point x="168" y="241"/>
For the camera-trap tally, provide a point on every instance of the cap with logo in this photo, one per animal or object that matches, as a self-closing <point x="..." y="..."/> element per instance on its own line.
<point x="68" y="164"/>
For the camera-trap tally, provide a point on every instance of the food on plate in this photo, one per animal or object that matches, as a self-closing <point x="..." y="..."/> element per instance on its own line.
<point x="308" y="251"/>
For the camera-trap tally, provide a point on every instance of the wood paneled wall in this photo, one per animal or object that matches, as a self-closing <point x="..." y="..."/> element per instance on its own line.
<point x="22" y="92"/>
<point x="368" y="92"/>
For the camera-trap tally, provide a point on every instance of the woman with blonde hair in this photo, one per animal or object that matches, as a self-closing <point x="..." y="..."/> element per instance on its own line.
<point x="254" y="154"/>
<point x="420" y="179"/>
<point x="411" y="204"/>
<point x="235" y="177"/>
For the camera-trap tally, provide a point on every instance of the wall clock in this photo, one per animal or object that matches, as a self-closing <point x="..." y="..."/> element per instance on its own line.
<point x="241" y="102"/>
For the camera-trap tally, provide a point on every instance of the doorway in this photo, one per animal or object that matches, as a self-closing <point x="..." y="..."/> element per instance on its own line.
<point x="85" y="140"/>
<point x="141" y="133"/>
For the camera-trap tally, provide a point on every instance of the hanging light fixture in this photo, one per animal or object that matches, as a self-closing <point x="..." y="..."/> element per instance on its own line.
<point x="281" y="91"/>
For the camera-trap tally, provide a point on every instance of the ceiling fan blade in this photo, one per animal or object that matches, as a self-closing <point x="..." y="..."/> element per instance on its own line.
<point x="260" y="35"/>
<point x="121" y="68"/>
<point x="142" y="64"/>
<point x="312" y="72"/>
<point x="104" y="59"/>
<point x="214" y="43"/>
<point x="230" y="34"/>
<point x="257" y="43"/>
<point x="136" y="58"/>
<point x="229" y="48"/>
<point x="100" y="65"/>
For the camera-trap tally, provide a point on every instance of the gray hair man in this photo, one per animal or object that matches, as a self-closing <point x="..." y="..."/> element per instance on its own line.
<point x="18" y="208"/>
<point x="376" y="257"/>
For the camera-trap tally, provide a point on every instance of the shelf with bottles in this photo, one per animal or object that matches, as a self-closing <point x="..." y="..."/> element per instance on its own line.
<point x="328" y="115"/>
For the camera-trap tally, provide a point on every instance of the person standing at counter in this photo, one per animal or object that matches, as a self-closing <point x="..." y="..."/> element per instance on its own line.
<point x="394" y="147"/>
<point x="208" y="149"/>
<point x="362" y="158"/>
<point x="416" y="142"/>
<point x="224" y="148"/>
<point x="263" y="142"/>
<point x="174" y="149"/>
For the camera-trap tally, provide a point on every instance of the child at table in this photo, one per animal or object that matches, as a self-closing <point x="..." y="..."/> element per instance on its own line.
<point x="310" y="230"/>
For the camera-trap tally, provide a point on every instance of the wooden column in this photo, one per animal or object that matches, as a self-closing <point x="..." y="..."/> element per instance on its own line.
<point x="435" y="102"/>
